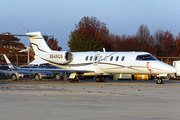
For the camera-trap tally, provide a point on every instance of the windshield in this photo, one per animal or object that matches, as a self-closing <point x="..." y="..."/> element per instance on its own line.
<point x="145" y="57"/>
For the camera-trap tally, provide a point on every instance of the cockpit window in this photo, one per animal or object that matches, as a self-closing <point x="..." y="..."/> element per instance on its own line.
<point x="145" y="57"/>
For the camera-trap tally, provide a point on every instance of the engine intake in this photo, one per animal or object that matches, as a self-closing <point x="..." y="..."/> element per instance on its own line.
<point x="68" y="56"/>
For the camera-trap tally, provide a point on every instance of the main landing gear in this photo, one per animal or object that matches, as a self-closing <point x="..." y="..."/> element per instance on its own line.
<point x="99" y="79"/>
<point x="75" y="80"/>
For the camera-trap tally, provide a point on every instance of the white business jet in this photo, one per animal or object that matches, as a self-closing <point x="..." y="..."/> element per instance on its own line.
<point x="97" y="63"/>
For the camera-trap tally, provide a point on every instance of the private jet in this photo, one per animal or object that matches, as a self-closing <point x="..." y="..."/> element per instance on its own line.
<point x="96" y="63"/>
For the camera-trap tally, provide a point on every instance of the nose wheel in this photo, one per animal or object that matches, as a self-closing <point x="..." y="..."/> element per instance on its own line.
<point x="160" y="81"/>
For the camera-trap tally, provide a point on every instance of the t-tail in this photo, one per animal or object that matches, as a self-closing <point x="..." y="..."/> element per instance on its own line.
<point x="40" y="47"/>
<point x="38" y="43"/>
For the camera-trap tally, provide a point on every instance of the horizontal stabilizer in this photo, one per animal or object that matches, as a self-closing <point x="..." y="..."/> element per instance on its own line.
<point x="38" y="62"/>
<point x="31" y="34"/>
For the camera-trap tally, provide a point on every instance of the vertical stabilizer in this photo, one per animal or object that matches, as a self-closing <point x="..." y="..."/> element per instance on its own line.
<point x="38" y="43"/>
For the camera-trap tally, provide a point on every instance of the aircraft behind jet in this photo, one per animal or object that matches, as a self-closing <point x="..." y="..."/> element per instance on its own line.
<point x="97" y="63"/>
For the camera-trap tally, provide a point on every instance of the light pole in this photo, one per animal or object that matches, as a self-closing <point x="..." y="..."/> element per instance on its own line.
<point x="28" y="40"/>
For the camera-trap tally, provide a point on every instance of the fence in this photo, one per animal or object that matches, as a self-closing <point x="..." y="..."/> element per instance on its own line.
<point x="21" y="59"/>
<point x="168" y="60"/>
<point x="17" y="59"/>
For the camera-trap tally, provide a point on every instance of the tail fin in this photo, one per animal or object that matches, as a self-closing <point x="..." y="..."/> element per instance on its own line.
<point x="38" y="43"/>
<point x="8" y="61"/>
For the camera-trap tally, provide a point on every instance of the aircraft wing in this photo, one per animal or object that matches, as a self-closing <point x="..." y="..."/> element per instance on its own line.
<point x="37" y="62"/>
<point x="58" y="70"/>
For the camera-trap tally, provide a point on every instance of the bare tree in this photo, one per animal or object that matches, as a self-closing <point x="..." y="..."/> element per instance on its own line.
<point x="143" y="33"/>
<point x="52" y="43"/>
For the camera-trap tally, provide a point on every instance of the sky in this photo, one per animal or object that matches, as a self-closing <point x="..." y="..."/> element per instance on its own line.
<point x="58" y="17"/>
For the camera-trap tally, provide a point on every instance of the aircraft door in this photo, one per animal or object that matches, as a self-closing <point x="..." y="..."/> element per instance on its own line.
<point x="96" y="59"/>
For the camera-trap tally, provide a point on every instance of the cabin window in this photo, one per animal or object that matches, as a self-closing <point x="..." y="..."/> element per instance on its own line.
<point x="117" y="58"/>
<point x="111" y="58"/>
<point x="96" y="58"/>
<point x="87" y="58"/>
<point x="145" y="57"/>
<point x="100" y="58"/>
<point x="106" y="58"/>
<point x="122" y="59"/>
<point x="91" y="58"/>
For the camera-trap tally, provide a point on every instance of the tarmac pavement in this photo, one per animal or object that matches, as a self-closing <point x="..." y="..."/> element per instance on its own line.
<point x="88" y="100"/>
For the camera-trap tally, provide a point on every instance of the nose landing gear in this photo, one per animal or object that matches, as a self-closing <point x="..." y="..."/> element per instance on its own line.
<point x="160" y="81"/>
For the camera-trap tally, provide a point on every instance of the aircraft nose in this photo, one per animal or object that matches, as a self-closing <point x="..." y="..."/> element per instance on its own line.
<point x="172" y="69"/>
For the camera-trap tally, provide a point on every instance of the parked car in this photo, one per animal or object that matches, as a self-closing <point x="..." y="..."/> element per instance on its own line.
<point x="13" y="74"/>
<point x="3" y="75"/>
<point x="57" y="75"/>
<point x="36" y="74"/>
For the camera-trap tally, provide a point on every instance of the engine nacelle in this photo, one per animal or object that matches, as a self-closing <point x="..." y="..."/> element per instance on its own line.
<point x="60" y="57"/>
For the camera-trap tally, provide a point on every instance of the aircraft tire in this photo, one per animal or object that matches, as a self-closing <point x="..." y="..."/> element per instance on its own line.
<point x="99" y="79"/>
<point x="169" y="77"/>
<point x="159" y="81"/>
<point x="73" y="81"/>
<point x="76" y="81"/>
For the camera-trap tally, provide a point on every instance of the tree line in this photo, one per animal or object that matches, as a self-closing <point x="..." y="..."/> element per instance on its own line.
<point x="92" y="35"/>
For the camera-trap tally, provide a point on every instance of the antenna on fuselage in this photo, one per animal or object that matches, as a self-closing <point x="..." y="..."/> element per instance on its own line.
<point x="104" y="50"/>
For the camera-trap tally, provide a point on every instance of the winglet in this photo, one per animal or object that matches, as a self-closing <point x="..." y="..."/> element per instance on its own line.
<point x="104" y="50"/>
